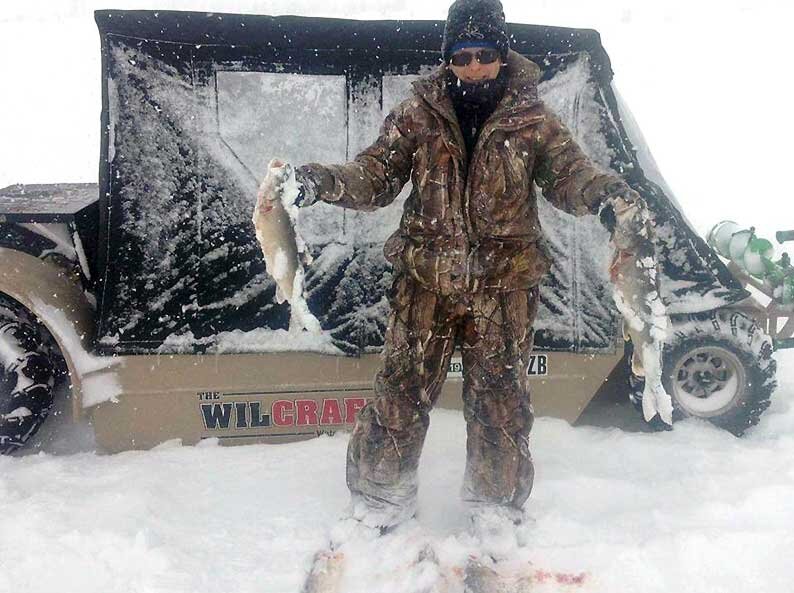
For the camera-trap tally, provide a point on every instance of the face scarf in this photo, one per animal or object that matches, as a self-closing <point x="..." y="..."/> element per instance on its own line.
<point x="474" y="102"/>
<point x="477" y="94"/>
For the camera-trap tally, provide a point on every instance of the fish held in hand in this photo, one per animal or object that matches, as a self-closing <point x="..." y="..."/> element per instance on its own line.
<point x="275" y="231"/>
<point x="274" y="222"/>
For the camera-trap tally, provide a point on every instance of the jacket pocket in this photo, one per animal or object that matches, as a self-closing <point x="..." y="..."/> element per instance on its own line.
<point x="515" y="266"/>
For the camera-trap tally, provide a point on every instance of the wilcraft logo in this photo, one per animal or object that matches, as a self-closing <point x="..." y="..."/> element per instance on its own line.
<point x="226" y="415"/>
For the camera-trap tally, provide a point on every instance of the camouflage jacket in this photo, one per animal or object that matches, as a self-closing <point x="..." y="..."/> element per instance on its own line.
<point x="470" y="221"/>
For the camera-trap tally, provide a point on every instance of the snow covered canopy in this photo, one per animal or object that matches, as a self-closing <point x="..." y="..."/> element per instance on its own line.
<point x="196" y="104"/>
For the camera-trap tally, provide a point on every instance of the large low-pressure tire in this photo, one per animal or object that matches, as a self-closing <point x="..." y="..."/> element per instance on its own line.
<point x="27" y="375"/>
<point x="717" y="366"/>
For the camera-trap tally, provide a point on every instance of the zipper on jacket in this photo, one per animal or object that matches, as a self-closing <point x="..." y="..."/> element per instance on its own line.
<point x="490" y="126"/>
<point x="473" y="248"/>
<point x="462" y="165"/>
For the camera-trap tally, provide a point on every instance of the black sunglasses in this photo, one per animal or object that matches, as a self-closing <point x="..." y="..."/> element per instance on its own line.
<point x="486" y="55"/>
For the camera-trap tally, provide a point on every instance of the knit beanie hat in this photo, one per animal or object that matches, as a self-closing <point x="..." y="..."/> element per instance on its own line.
<point x="475" y="21"/>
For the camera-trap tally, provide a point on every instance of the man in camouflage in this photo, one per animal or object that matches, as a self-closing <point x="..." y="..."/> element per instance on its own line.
<point x="468" y="258"/>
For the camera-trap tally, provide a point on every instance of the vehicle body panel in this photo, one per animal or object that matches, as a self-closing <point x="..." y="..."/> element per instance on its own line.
<point x="282" y="397"/>
<point x="42" y="288"/>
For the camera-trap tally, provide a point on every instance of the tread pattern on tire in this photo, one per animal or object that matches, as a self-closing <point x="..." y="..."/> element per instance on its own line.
<point x="735" y="331"/>
<point x="28" y="372"/>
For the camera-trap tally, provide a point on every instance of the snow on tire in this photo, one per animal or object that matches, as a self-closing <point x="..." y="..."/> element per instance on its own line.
<point x="718" y="366"/>
<point x="27" y="375"/>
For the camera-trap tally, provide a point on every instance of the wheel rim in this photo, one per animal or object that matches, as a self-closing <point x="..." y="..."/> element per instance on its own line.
<point x="708" y="380"/>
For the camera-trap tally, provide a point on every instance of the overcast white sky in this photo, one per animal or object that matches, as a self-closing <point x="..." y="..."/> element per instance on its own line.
<point x="709" y="84"/>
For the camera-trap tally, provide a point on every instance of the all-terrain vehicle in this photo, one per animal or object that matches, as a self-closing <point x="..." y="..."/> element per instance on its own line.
<point x="149" y="295"/>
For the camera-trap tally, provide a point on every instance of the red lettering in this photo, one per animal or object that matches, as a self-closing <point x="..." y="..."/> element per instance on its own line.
<point x="352" y="406"/>
<point x="307" y="412"/>
<point x="282" y="413"/>
<point x="332" y="412"/>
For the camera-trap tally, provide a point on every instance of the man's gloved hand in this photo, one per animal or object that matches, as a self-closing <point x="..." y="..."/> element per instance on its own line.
<point x="307" y="183"/>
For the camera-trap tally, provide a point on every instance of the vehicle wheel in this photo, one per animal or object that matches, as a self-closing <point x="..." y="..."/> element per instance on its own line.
<point x="717" y="366"/>
<point x="27" y="375"/>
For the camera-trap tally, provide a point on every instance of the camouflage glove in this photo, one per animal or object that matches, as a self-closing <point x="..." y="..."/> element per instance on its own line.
<point x="307" y="183"/>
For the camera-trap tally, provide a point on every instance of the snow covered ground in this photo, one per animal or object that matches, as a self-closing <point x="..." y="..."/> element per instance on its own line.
<point x="693" y="510"/>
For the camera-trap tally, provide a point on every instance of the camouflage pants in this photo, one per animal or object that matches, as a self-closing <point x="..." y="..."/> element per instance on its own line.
<point x="494" y="332"/>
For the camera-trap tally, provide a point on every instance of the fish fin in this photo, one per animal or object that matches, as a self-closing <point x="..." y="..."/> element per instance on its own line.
<point x="280" y="296"/>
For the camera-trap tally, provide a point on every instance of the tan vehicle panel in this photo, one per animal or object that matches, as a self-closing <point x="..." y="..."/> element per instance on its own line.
<point x="282" y="397"/>
<point x="37" y="284"/>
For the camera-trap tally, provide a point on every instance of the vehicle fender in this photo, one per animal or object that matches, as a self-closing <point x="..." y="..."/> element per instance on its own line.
<point x="44" y="288"/>
<point x="753" y="308"/>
